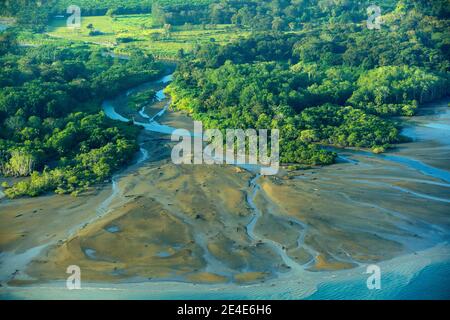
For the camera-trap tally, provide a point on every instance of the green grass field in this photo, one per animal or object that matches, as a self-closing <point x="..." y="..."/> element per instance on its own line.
<point x="138" y="30"/>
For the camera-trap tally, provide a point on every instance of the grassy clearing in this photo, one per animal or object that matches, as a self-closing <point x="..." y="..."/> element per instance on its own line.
<point x="137" y="30"/>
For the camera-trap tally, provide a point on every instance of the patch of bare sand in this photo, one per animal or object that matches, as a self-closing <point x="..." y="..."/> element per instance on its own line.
<point x="30" y="222"/>
<point x="325" y="263"/>
<point x="300" y="254"/>
<point x="249" y="277"/>
<point x="140" y="239"/>
<point x="206" y="277"/>
<point x="275" y="227"/>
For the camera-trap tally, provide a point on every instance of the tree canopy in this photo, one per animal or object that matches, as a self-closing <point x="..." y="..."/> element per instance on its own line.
<point x="335" y="83"/>
<point x="51" y="128"/>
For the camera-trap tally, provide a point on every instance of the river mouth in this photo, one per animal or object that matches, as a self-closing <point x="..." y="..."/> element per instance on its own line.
<point x="222" y="224"/>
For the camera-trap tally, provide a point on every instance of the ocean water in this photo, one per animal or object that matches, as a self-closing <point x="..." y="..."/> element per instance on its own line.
<point x="431" y="283"/>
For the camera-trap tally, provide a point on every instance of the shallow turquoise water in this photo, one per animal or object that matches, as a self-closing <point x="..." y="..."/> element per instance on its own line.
<point x="432" y="282"/>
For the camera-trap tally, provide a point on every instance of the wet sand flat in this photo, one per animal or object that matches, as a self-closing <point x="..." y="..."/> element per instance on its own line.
<point x="188" y="223"/>
<point x="31" y="222"/>
<point x="372" y="218"/>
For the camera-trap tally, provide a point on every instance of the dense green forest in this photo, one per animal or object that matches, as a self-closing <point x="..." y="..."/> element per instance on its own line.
<point x="335" y="84"/>
<point x="100" y="7"/>
<point x="276" y="15"/>
<point x="94" y="7"/>
<point x="36" y="12"/>
<point x="51" y="126"/>
<point x="285" y="15"/>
